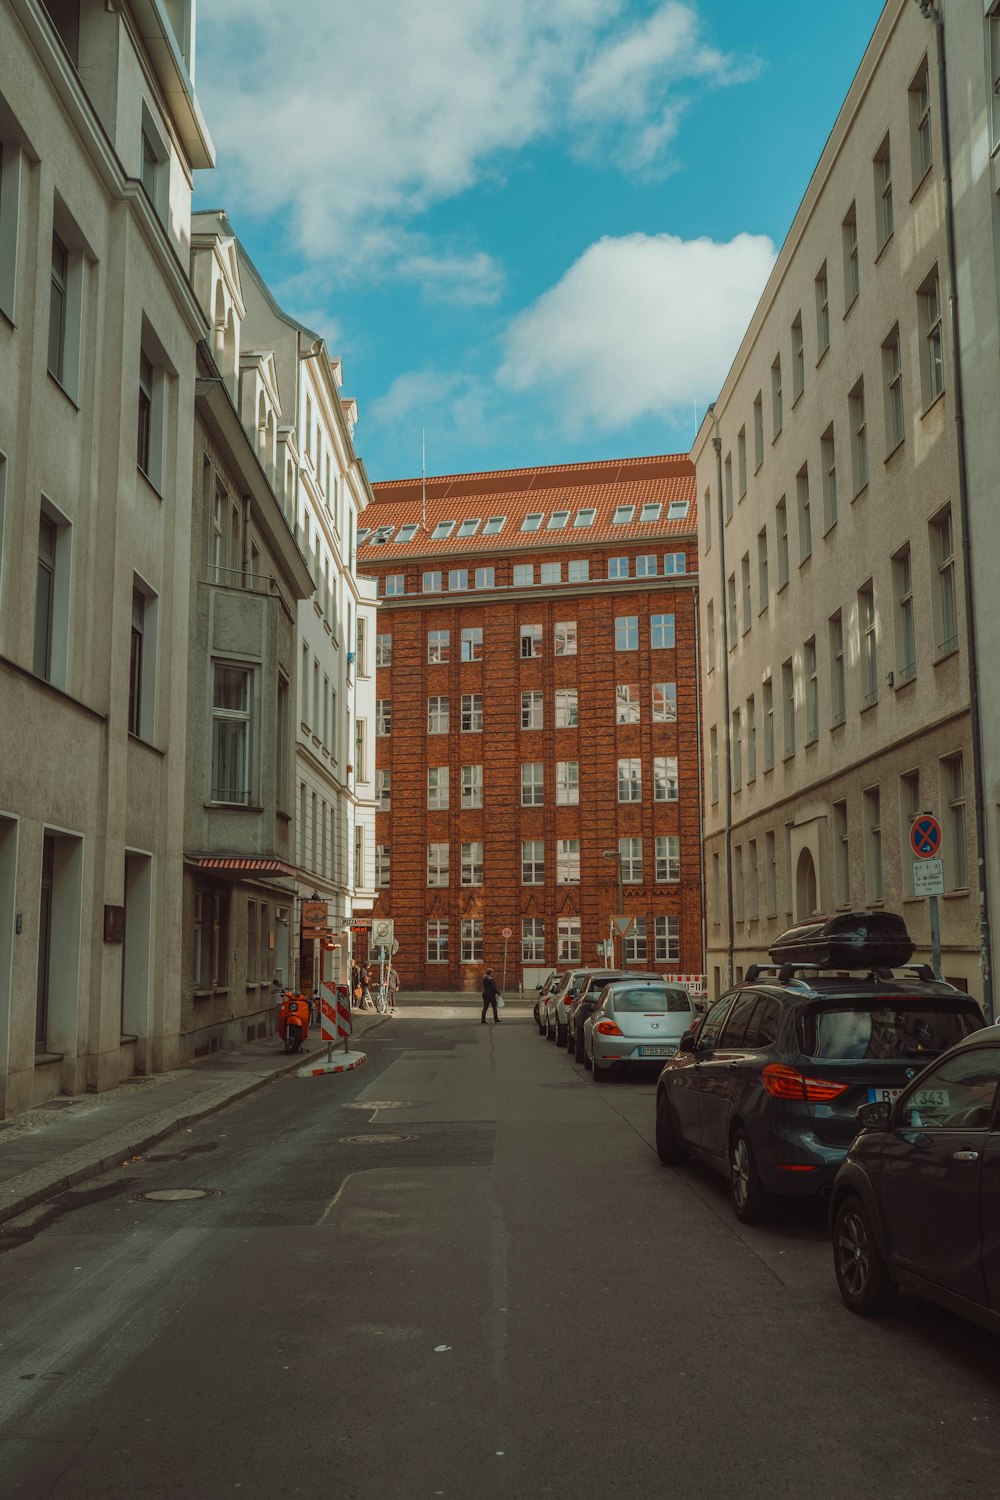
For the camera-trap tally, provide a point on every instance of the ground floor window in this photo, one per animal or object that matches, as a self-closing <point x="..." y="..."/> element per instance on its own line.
<point x="635" y="942"/>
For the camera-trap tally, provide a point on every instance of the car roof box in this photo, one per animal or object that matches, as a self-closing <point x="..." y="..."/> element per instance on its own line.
<point x="849" y="940"/>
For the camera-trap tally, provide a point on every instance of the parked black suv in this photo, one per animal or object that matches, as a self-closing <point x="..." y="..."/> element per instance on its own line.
<point x="766" y="1087"/>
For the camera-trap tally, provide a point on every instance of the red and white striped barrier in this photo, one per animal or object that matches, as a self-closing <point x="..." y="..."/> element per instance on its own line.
<point x="344" y="1062"/>
<point x="695" y="984"/>
<point x="335" y="1013"/>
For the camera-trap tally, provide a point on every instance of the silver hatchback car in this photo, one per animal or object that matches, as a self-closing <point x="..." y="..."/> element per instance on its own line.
<point x="635" y="1022"/>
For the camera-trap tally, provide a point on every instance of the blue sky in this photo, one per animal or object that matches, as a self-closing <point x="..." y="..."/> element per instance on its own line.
<point x="536" y="231"/>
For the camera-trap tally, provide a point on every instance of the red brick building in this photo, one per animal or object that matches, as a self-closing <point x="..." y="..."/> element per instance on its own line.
<point x="537" y="721"/>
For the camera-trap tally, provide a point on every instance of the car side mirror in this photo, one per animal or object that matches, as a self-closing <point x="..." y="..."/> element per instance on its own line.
<point x="875" y="1116"/>
<point x="686" y="1043"/>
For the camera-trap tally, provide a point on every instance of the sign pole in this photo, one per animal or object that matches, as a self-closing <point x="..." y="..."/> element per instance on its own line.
<point x="932" y="902"/>
<point x="504" y="965"/>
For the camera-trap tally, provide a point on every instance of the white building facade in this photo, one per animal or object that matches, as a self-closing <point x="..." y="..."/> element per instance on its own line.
<point x="835" y="661"/>
<point x="100" y="133"/>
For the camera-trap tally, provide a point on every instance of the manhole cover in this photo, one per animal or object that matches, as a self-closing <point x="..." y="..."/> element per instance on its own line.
<point x="371" y="1104"/>
<point x="376" y="1140"/>
<point x="175" y="1195"/>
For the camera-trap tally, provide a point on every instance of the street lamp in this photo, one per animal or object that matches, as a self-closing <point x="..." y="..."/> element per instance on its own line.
<point x="616" y="854"/>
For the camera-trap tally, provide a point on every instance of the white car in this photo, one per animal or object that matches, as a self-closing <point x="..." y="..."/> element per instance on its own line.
<point x="638" y="1022"/>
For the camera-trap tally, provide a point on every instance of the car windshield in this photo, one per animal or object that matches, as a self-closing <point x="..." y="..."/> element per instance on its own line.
<point x="879" y="1031"/>
<point x="650" y="997"/>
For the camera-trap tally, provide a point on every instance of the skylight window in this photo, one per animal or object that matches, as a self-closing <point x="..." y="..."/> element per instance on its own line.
<point x="678" y="510"/>
<point x="533" y="521"/>
<point x="557" y="520"/>
<point x="494" y="525"/>
<point x="469" y="527"/>
<point x="623" y="514"/>
<point x="442" y="530"/>
<point x="364" y="534"/>
<point x="408" y="532"/>
<point x="651" y="512"/>
<point x="585" y="517"/>
<point x="380" y="536"/>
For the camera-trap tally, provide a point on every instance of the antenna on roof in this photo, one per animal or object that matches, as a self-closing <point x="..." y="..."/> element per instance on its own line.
<point x="423" y="479"/>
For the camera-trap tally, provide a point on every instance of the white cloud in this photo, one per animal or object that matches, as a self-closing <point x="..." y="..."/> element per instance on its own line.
<point x="637" y="327"/>
<point x="351" y="121"/>
<point x="463" y="280"/>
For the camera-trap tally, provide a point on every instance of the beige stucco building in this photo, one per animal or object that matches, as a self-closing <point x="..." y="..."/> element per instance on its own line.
<point x="834" y="664"/>
<point x="100" y="132"/>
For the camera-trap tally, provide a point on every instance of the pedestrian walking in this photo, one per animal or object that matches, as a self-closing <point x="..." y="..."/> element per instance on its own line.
<point x="357" y="988"/>
<point x="392" y="980"/>
<point x="490" y="994"/>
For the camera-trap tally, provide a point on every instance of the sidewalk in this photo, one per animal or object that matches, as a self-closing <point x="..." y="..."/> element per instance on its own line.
<point x="70" y="1139"/>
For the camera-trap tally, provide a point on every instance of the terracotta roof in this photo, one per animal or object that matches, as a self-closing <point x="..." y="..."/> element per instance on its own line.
<point x="516" y="493"/>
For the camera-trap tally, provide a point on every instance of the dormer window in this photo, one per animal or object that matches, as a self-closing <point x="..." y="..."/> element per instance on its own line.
<point x="469" y="527"/>
<point x="623" y="514"/>
<point x="407" y="533"/>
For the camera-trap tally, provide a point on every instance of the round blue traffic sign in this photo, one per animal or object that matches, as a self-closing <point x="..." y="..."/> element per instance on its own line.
<point x="925" y="836"/>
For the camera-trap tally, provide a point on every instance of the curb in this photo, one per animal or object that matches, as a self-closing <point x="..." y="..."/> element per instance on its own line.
<point x="142" y="1143"/>
<point x="356" y="1059"/>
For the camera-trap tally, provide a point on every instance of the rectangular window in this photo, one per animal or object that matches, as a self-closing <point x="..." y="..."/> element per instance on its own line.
<point x="431" y="583"/>
<point x="472" y="713"/>
<point x="383" y="717"/>
<point x="383" y="789"/>
<point x="921" y="147"/>
<point x="661" y="632"/>
<point x="458" y="580"/>
<point x="736" y="748"/>
<point x="472" y="786"/>
<point x="144" y="441"/>
<point x="564" y="638"/>
<point x="438" y="646"/>
<point x="841" y="856"/>
<point x="531" y="640"/>
<point x="871" y="807"/>
<point x="931" y="339"/>
<point x="494" y="525"/>
<point x="729" y="486"/>
<point x="578" y="571"/>
<point x="674" y="563"/>
<point x="627" y="703"/>
<point x="852" y="269"/>
<point x="550" y="573"/>
<point x="629" y="779"/>
<point x="383" y="866"/>
<point x="798" y="359"/>
<point x="532" y="862"/>
<point x="882" y="166"/>
<point x="437" y="940"/>
<point x="909" y="808"/>
<point x="532" y="940"/>
<point x="645" y="566"/>
<point x="738" y="883"/>
<point x="532" y="785"/>
<point x="567" y="716"/>
<point x="472" y="643"/>
<point x="231" y="733"/>
<point x="524" y="575"/>
<point x="568" y="948"/>
<point x="627" y="633"/>
<point x="828" y="458"/>
<point x="437" y="864"/>
<point x="751" y="726"/>
<point x="630" y="857"/>
<point x="395" y="583"/>
<point x="741" y="460"/>
<point x="567" y="783"/>
<point x="437" y="787"/>
<point x="805" y="513"/>
<point x="763" y="583"/>
<point x="665" y="788"/>
<point x="822" y="312"/>
<point x="472" y="863"/>
<point x="136" y="663"/>
<point x="623" y="514"/>
<point x="758" y="431"/>
<point x="438" y="715"/>
<point x="634" y="946"/>
<point x="710" y="636"/>
<point x="812" y="690"/>
<point x="12" y="164"/>
<point x="531" y="710"/>
<point x="838" y="676"/>
<point x="771" y="874"/>
<point x="664" y="702"/>
<point x="767" y="695"/>
<point x="58" y="297"/>
<point x="953" y="799"/>
<point x="867" y="645"/>
<point x="745" y="592"/>
<point x="859" y="438"/>
<point x="713" y="761"/>
<point x="776" y="405"/>
<point x="731" y="610"/>
<point x="943" y="583"/>
<point x="585" y="517"/>
<point x="485" y="578"/>
<point x="532" y="521"/>
<point x="781" y="533"/>
<point x="51" y="599"/>
<point x="753" y="882"/>
<point x="667" y="860"/>
<point x="567" y="861"/>
<point x="892" y="388"/>
<point x="472" y="940"/>
<point x="788" y="702"/>
<point x="617" y="567"/>
<point x="666" y="940"/>
<point x="716" y="888"/>
<point x="906" y="639"/>
<point x="383" y="650"/>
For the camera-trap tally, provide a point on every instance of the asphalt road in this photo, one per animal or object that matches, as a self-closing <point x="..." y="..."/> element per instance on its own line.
<point x="461" y="1271"/>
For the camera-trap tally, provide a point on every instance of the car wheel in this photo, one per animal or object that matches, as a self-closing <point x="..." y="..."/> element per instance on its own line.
<point x="587" y="1063"/>
<point x="579" y="1050"/>
<point x="864" y="1282"/>
<point x="668" y="1148"/>
<point x="749" y="1198"/>
<point x="541" y="1025"/>
<point x="550" y="1031"/>
<point x="560" y="1034"/>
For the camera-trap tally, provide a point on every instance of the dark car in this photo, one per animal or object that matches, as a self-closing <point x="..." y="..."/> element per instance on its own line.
<point x="587" y="998"/>
<point x="766" y="1087"/>
<point x="915" y="1205"/>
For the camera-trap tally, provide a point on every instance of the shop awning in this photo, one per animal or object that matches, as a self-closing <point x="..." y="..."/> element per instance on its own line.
<point x="261" y="864"/>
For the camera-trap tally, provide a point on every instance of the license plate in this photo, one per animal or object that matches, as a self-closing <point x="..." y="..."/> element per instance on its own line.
<point x="922" y="1098"/>
<point x="657" y="1051"/>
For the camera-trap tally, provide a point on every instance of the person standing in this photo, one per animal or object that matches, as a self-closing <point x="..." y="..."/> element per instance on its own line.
<point x="392" y="981"/>
<point x="490" y="993"/>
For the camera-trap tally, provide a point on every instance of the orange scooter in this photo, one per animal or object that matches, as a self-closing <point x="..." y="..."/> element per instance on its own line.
<point x="293" y="1020"/>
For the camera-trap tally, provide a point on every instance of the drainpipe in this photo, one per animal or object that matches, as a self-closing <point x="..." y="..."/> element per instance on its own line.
<point x="933" y="13"/>
<point x="724" y="614"/>
<point x="701" y="785"/>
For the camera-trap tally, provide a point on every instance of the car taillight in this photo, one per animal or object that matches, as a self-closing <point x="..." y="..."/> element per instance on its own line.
<point x="607" y="1028"/>
<point x="783" y="1082"/>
